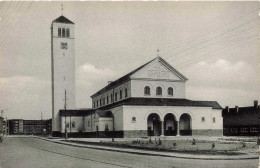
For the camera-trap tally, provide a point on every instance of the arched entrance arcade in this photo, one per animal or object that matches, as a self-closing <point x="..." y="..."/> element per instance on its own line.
<point x="154" y="125"/>
<point x="170" y="125"/>
<point x="185" y="124"/>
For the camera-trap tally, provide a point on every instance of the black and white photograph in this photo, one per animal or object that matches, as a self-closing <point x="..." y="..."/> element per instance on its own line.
<point x="104" y="84"/>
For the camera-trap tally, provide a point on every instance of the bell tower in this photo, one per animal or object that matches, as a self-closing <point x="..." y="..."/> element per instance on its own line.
<point x="62" y="69"/>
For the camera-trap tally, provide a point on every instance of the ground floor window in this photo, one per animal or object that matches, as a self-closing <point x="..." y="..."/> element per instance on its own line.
<point x="253" y="129"/>
<point x="244" y="130"/>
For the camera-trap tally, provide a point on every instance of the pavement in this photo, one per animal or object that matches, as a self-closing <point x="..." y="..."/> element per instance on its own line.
<point x="83" y="143"/>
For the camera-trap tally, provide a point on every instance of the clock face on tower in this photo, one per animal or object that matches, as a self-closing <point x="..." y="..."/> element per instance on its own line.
<point x="63" y="45"/>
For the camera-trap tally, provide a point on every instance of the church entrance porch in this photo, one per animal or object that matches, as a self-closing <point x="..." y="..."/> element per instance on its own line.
<point x="154" y="125"/>
<point x="170" y="125"/>
<point x="185" y="124"/>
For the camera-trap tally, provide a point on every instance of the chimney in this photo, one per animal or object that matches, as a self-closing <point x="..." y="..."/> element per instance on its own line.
<point x="227" y="109"/>
<point x="255" y="104"/>
<point x="237" y="108"/>
<point x="109" y="82"/>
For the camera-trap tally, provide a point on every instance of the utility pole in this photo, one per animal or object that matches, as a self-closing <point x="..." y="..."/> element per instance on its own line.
<point x="41" y="123"/>
<point x="65" y="108"/>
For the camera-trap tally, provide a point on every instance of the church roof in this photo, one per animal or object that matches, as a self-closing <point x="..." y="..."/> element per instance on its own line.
<point x="162" y="102"/>
<point x="76" y="112"/>
<point x="127" y="76"/>
<point x="62" y="19"/>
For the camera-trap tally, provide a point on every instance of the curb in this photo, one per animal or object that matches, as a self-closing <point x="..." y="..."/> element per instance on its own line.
<point x="148" y="154"/>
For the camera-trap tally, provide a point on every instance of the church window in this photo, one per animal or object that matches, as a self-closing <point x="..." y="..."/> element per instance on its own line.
<point x="106" y="128"/>
<point x="104" y="102"/>
<point x="111" y="98"/>
<point x="147" y="90"/>
<point x="126" y="92"/>
<point x="120" y="94"/>
<point x="94" y="104"/>
<point x="67" y="32"/>
<point x="133" y="119"/>
<point x="213" y="119"/>
<point x="116" y="96"/>
<point x="170" y="91"/>
<point x="63" y="32"/>
<point x="202" y="119"/>
<point x="59" y="32"/>
<point x="73" y="125"/>
<point x="100" y="103"/>
<point x="88" y="124"/>
<point x="159" y="91"/>
<point x="107" y="100"/>
<point x="97" y="103"/>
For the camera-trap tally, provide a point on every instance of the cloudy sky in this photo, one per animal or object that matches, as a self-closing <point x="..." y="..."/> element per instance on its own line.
<point x="214" y="44"/>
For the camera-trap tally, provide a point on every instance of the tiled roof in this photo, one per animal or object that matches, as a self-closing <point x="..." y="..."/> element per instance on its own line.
<point x="103" y="113"/>
<point x="162" y="102"/>
<point x="76" y="112"/>
<point x="127" y="76"/>
<point x="62" y="19"/>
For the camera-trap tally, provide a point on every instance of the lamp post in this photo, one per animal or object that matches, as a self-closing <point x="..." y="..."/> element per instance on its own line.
<point x="65" y="104"/>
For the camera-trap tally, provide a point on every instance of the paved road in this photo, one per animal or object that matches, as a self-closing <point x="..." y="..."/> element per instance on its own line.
<point x="18" y="152"/>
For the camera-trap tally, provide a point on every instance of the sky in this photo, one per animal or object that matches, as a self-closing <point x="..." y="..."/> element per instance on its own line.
<point x="214" y="44"/>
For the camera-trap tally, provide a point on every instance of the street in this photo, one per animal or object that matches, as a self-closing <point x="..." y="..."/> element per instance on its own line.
<point x="29" y="152"/>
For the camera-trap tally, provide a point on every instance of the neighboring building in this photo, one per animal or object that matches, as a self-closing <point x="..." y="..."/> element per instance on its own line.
<point x="1" y="126"/>
<point x="242" y="121"/>
<point x="149" y="101"/>
<point x="62" y="68"/>
<point x="34" y="127"/>
<point x="29" y="127"/>
<point x="15" y="126"/>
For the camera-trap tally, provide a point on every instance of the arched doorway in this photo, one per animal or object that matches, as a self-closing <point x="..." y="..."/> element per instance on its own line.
<point x="185" y="124"/>
<point x="170" y="125"/>
<point x="154" y="125"/>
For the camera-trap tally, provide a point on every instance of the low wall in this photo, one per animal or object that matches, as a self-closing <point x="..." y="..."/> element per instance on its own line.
<point x="208" y="132"/>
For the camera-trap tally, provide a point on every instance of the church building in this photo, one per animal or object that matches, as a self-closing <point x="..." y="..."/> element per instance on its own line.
<point x="148" y="101"/>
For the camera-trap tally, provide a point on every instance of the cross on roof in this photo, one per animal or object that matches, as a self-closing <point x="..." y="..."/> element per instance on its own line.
<point x="158" y="52"/>
<point x="62" y="9"/>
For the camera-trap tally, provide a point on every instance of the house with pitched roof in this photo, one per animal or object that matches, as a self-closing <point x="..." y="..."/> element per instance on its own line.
<point x="241" y="121"/>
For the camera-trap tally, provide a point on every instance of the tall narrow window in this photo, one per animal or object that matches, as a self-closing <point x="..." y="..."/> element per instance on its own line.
<point x="63" y="32"/>
<point x="94" y="104"/>
<point x="147" y="90"/>
<point x="107" y="99"/>
<point x="126" y="92"/>
<point x="100" y="102"/>
<point x="67" y="32"/>
<point x="170" y="91"/>
<point x="97" y="103"/>
<point x="159" y="91"/>
<point x="121" y="94"/>
<point x="116" y="96"/>
<point x="59" y="32"/>
<point x="104" y="102"/>
<point x="73" y="124"/>
<point x="111" y="99"/>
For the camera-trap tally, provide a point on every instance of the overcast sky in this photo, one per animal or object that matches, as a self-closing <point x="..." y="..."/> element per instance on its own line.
<point x="214" y="44"/>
